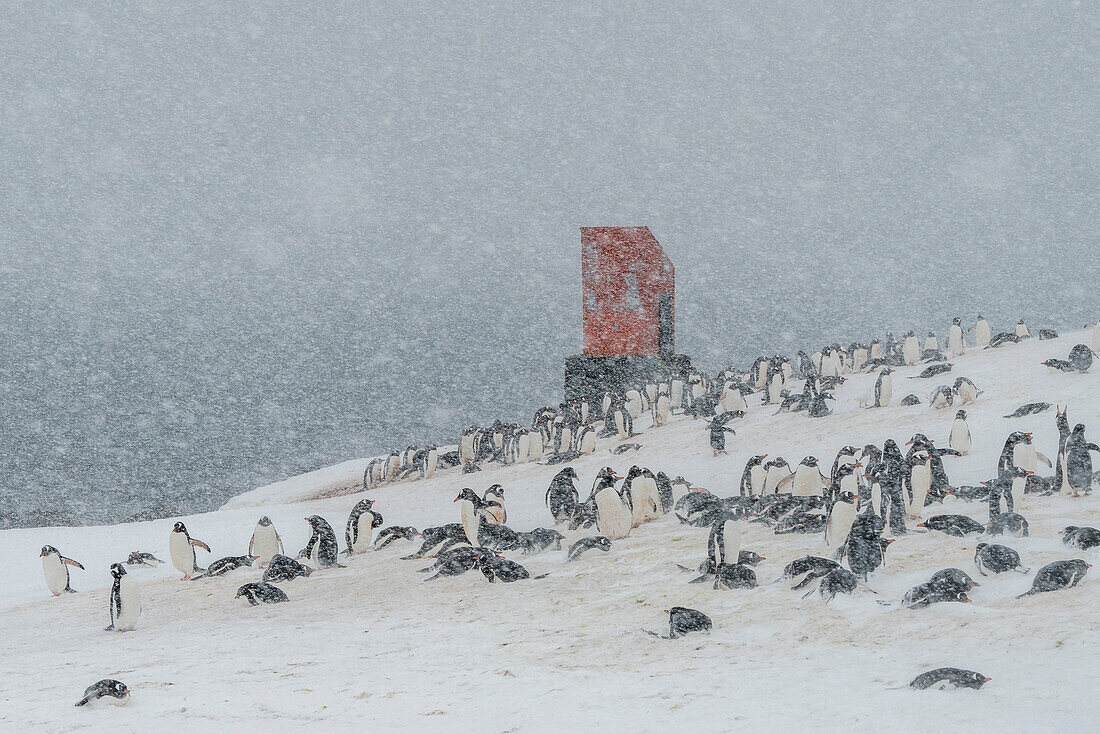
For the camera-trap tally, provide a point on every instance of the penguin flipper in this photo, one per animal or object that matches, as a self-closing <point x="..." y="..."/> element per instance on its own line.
<point x="71" y="562"/>
<point x="699" y="580"/>
<point x="685" y="568"/>
<point x="199" y="544"/>
<point x="540" y="576"/>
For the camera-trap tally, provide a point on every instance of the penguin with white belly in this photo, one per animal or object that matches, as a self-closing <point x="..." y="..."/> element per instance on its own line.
<point x="680" y="487"/>
<point x="181" y="547"/>
<point x="955" y="341"/>
<point x="807" y="480"/>
<point x="472" y="510"/>
<point x="55" y="569"/>
<point x="359" y="531"/>
<point x="841" y="516"/>
<point x="724" y="541"/>
<point x="494" y="510"/>
<point x="645" y="500"/>
<point x="614" y="515"/>
<point x="265" y="542"/>
<point x="884" y="388"/>
<point x="321" y="548"/>
<point x="1021" y="330"/>
<point x="752" y="478"/>
<point x="960" y="434"/>
<point x="661" y="409"/>
<point x="931" y="343"/>
<point x="919" y="481"/>
<point x="125" y="604"/>
<point x="966" y="390"/>
<point x="910" y="348"/>
<point x="982" y="332"/>
<point x="777" y="472"/>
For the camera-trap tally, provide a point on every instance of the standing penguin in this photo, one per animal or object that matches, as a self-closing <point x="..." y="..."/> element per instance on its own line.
<point x="910" y="349"/>
<point x="866" y="548"/>
<point x="955" y="341"/>
<point x="561" y="496"/>
<point x="919" y="480"/>
<point x="265" y="542"/>
<point x="472" y="511"/>
<point x="884" y="388"/>
<point x="1079" y="461"/>
<point x="982" y="332"/>
<point x="724" y="541"/>
<point x="54" y="567"/>
<point x="358" y="533"/>
<point x="1061" y="483"/>
<point x="841" y="517"/>
<point x="967" y="391"/>
<point x="125" y="600"/>
<point x="777" y="471"/>
<point x="495" y="512"/>
<point x="960" y="434"/>
<point x="1021" y="330"/>
<point x="645" y="500"/>
<point x="614" y="514"/>
<point x="661" y="409"/>
<point x="752" y="478"/>
<point x="322" y="547"/>
<point x="718" y="431"/>
<point x="807" y="480"/>
<point x="181" y="547"/>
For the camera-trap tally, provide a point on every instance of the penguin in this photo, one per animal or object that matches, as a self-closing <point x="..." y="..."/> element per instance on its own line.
<point x="472" y="509"/>
<point x="223" y="566"/>
<point x="1026" y="457"/>
<point x="125" y="604"/>
<point x="360" y="527"/>
<point x="910" y="349"/>
<point x="540" y="539"/>
<point x="997" y="558"/>
<point x="724" y="541"/>
<point x="933" y="370"/>
<point x="682" y="621"/>
<point x="1082" y="538"/>
<point x="942" y="398"/>
<point x="1009" y="485"/>
<point x="807" y="480"/>
<point x="865" y="548"/>
<point x="457" y="562"/>
<point x="958" y="526"/>
<point x="1008" y="523"/>
<point x="623" y="423"/>
<point x="586" y="440"/>
<point x="777" y="471"/>
<point x="1058" y="575"/>
<point x="927" y="594"/>
<point x="1021" y="330"/>
<point x="614" y="514"/>
<point x="284" y="568"/>
<point x="261" y="593"/>
<point x="841" y="517"/>
<point x="966" y="390"/>
<point x="265" y="542"/>
<point x="495" y="512"/>
<point x="982" y="332"/>
<point x="137" y="558"/>
<point x="54" y="569"/>
<point x="949" y="678"/>
<point x="392" y="533"/>
<point x="597" y="542"/>
<point x="664" y="491"/>
<point x="181" y="547"/>
<point x="752" y="478"/>
<point x="107" y="690"/>
<point x="322" y="548"/>
<point x="734" y="576"/>
<point x="662" y="407"/>
<point x="952" y="579"/>
<point x="919" y="481"/>
<point x="680" y="487"/>
<point x="931" y="343"/>
<point x="645" y="498"/>
<point x="955" y="343"/>
<point x="1079" y="460"/>
<point x="1029" y="409"/>
<point x="561" y="496"/>
<point x="960" y="434"/>
<point x="844" y="479"/>
<point x="837" y="581"/>
<point x="884" y="388"/>
<point x="495" y="568"/>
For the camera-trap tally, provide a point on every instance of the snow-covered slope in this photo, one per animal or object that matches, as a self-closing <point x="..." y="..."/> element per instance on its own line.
<point x="372" y="646"/>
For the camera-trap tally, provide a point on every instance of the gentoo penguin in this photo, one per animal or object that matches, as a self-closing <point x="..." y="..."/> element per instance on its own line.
<point x="265" y="542"/>
<point x="960" y="434"/>
<point x="958" y="526"/>
<point x="910" y="349"/>
<point x="724" y="541"/>
<point x="841" y="516"/>
<point x="967" y="391"/>
<point x="540" y="539"/>
<point x="358" y="533"/>
<point x="181" y="547"/>
<point x="107" y="690"/>
<point x="752" y="478"/>
<point x="865" y="548"/>
<point x="495" y="512"/>
<point x="472" y="509"/>
<point x="844" y="479"/>
<point x="807" y="480"/>
<point x="586" y="439"/>
<point x="614" y="515"/>
<point x="597" y="542"/>
<point x="682" y="620"/>
<point x="138" y="558"/>
<point x="949" y="678"/>
<point x="884" y="388"/>
<point x="1026" y="457"/>
<point x="997" y="558"/>
<point x="561" y="496"/>
<point x="54" y="568"/>
<point x="661" y="409"/>
<point x="680" y="487"/>
<point x="1081" y="538"/>
<point x="645" y="499"/>
<point x="919" y="482"/>
<point x="1009" y="485"/>
<point x="955" y="342"/>
<point x="322" y="548"/>
<point x="1058" y="575"/>
<point x="1021" y="330"/>
<point x="261" y="593"/>
<point x="943" y="397"/>
<point x="1079" y="460"/>
<point x="284" y="568"/>
<point x="982" y="332"/>
<point x="777" y="472"/>
<point x="392" y="533"/>
<point x="125" y="600"/>
<point x="931" y="343"/>
<point x="223" y="566"/>
<point x="623" y="423"/>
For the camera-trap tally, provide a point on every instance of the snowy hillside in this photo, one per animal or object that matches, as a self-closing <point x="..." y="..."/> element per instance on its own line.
<point x="372" y="646"/>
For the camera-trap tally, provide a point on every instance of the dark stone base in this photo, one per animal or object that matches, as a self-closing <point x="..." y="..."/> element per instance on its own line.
<point x="588" y="378"/>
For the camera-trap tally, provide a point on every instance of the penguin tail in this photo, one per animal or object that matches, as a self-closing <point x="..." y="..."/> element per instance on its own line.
<point x="698" y="580"/>
<point x="1022" y="570"/>
<point x="109" y="628"/>
<point x="540" y="576"/>
<point x="658" y="635"/>
<point x="432" y="578"/>
<point x="1029" y="592"/>
<point x="84" y="700"/>
<point x="70" y="590"/>
<point x="810" y="592"/>
<point x="685" y="568"/>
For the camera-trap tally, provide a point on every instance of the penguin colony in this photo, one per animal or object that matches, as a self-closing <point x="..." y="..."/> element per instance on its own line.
<point x="871" y="496"/>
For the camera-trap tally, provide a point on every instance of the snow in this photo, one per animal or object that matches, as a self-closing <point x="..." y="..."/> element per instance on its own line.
<point x="372" y="646"/>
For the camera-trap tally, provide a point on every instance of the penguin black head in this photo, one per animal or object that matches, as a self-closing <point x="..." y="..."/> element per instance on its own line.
<point x="809" y="461"/>
<point x="117" y="570"/>
<point x="179" y="527"/>
<point x="118" y="690"/>
<point x="960" y="415"/>
<point x="609" y="473"/>
<point x="847" y="496"/>
<point x="569" y="472"/>
<point x="315" y="521"/>
<point x="47" y="550"/>
<point x="958" y="321"/>
<point x="265" y="521"/>
<point x="496" y="489"/>
<point x="469" y="495"/>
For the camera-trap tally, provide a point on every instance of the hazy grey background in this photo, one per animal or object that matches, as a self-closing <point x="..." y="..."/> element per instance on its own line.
<point x="246" y="240"/>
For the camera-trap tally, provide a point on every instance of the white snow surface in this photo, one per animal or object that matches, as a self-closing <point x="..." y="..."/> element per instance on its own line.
<point x="371" y="647"/>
